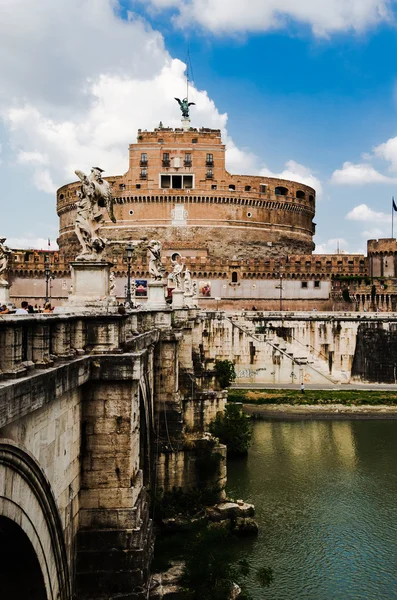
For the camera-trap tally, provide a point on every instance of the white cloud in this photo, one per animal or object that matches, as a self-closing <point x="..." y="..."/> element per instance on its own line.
<point x="30" y="243"/>
<point x="374" y="233"/>
<point x="359" y="174"/>
<point x="331" y="246"/>
<point x="388" y="152"/>
<point x="323" y="16"/>
<point x="88" y="98"/>
<point x="364" y="213"/>
<point x="296" y="172"/>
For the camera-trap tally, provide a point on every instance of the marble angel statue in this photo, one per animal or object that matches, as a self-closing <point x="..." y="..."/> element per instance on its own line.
<point x="95" y="195"/>
<point x="156" y="269"/>
<point x="177" y="268"/>
<point x="188" y="283"/>
<point x="5" y="253"/>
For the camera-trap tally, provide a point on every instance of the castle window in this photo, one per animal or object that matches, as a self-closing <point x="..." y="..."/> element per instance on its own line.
<point x="214" y="187"/>
<point x="262" y="188"/>
<point x="160" y="141"/>
<point x="188" y="160"/>
<point x="143" y="173"/>
<point x="316" y="284"/>
<point x="122" y="186"/>
<point x="194" y="141"/>
<point x="138" y="186"/>
<point x="166" y="159"/>
<point x="281" y="191"/>
<point x="301" y="195"/>
<point x="232" y="187"/>
<point x="176" y="182"/>
<point x="165" y="181"/>
<point x="209" y="174"/>
<point x="234" y="277"/>
<point x="131" y="212"/>
<point x="61" y="196"/>
<point x="311" y="198"/>
<point x="188" y="182"/>
<point x="143" y="162"/>
<point x="247" y="188"/>
<point x="304" y="284"/>
<point x="210" y="160"/>
<point x="249" y="214"/>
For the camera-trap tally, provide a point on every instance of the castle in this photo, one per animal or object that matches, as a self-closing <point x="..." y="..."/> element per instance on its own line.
<point x="247" y="240"/>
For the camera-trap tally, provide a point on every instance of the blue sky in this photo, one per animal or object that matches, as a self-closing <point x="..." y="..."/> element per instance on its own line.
<point x="313" y="87"/>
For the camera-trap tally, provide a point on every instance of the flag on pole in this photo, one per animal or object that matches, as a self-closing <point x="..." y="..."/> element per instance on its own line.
<point x="394" y="204"/>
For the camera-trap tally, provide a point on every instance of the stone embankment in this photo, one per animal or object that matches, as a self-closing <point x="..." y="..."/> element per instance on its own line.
<point x="320" y="411"/>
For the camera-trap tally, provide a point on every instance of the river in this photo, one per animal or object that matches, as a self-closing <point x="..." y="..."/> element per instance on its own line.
<point x="325" y="494"/>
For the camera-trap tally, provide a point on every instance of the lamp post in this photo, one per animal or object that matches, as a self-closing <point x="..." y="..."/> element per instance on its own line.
<point x="130" y="252"/>
<point x="48" y="276"/>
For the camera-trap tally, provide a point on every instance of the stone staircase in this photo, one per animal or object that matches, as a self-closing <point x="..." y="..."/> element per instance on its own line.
<point x="302" y="357"/>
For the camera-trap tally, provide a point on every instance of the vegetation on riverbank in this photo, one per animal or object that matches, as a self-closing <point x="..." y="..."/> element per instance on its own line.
<point x="211" y="556"/>
<point x="313" y="397"/>
<point x="234" y="429"/>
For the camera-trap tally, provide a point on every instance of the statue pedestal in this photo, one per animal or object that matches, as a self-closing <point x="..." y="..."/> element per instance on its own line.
<point x="156" y="296"/>
<point x="4" y="293"/>
<point x="186" y="124"/>
<point x="91" y="285"/>
<point x="189" y="301"/>
<point x="178" y="299"/>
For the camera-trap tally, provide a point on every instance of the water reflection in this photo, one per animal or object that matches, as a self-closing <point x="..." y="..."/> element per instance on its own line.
<point x="325" y="493"/>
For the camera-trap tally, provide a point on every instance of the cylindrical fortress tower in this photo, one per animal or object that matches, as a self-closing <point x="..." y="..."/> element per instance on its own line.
<point x="177" y="190"/>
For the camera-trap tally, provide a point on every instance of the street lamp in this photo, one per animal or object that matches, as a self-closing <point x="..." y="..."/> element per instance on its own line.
<point x="48" y="275"/>
<point x="130" y="252"/>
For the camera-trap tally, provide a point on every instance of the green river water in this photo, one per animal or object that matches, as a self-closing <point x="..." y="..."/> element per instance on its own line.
<point x="325" y="494"/>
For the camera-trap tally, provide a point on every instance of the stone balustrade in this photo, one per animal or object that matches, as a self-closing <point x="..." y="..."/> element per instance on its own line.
<point x="40" y="341"/>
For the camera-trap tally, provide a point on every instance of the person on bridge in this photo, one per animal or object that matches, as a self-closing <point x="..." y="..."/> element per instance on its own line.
<point x="302" y="388"/>
<point x="23" y="310"/>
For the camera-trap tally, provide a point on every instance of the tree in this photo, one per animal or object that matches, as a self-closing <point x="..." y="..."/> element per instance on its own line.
<point x="224" y="372"/>
<point x="234" y="429"/>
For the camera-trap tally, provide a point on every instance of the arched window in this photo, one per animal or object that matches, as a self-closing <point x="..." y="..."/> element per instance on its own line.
<point x="281" y="191"/>
<point x="234" y="277"/>
<point x="232" y="187"/>
<point x="247" y="188"/>
<point x="301" y="195"/>
<point x="311" y="198"/>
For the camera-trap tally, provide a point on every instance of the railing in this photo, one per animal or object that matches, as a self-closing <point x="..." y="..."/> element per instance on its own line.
<point x="40" y="341"/>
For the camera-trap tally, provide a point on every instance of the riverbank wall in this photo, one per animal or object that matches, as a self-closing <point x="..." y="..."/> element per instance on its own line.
<point x="313" y="348"/>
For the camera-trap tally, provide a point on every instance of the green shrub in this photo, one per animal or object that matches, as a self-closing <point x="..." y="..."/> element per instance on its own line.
<point x="224" y="372"/>
<point x="234" y="429"/>
<point x="210" y="569"/>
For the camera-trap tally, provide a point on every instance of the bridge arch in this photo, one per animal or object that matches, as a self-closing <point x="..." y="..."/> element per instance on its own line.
<point x="28" y="507"/>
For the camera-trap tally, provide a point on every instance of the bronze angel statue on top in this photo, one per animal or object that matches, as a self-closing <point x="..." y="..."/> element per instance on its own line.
<point x="184" y="105"/>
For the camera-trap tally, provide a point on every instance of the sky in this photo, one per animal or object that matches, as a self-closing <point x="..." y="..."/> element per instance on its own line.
<point x="302" y="90"/>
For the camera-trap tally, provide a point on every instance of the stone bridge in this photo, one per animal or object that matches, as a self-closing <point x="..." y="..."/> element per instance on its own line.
<point x="96" y="409"/>
<point x="93" y="411"/>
